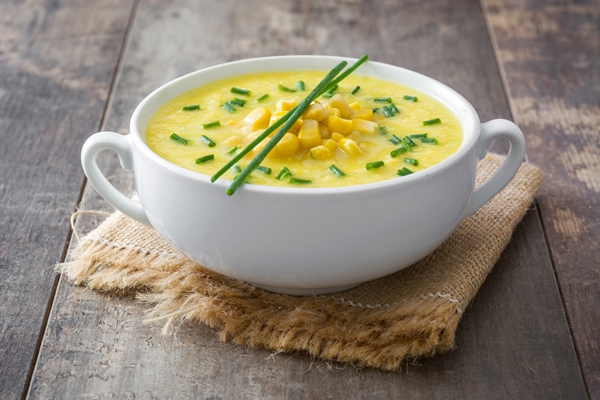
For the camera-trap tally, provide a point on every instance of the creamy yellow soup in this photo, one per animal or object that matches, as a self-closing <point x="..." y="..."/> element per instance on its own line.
<point x="367" y="130"/>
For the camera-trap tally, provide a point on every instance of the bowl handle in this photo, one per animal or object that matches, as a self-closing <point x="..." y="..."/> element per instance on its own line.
<point x="119" y="144"/>
<point x="498" y="129"/>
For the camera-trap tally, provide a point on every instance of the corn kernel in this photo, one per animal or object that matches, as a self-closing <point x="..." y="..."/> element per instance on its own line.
<point x="329" y="112"/>
<point x="343" y="126"/>
<point x="355" y="105"/>
<point x="320" y="153"/>
<point x="349" y="146"/>
<point x="330" y="144"/>
<point x="288" y="145"/>
<point x="364" y="126"/>
<point x="258" y="118"/>
<point x="314" y="111"/>
<point x="336" y="136"/>
<point x="233" y="140"/>
<point x="310" y="134"/>
<point x="278" y="114"/>
<point x="285" y="105"/>
<point x="324" y="131"/>
<point x="338" y="101"/>
<point x="363" y="113"/>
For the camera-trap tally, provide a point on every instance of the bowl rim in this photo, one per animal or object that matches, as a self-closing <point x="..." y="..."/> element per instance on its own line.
<point x="468" y="142"/>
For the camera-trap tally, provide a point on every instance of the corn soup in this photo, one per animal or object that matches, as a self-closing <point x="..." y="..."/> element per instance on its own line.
<point x="366" y="130"/>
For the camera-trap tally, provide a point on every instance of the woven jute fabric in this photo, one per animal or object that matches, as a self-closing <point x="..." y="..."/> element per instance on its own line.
<point x="406" y="315"/>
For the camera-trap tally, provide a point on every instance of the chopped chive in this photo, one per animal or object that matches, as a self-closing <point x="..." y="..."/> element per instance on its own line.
<point x="329" y="93"/>
<point x="192" y="107"/>
<point x="207" y="140"/>
<point x="432" y="121"/>
<point x="237" y="102"/>
<point x="300" y="181"/>
<point x="406" y="146"/>
<point x="356" y="89"/>
<point x="283" y="172"/>
<point x="375" y="110"/>
<point x="372" y="165"/>
<point x="179" y="139"/>
<point x="387" y="112"/>
<point x="418" y="135"/>
<point x="409" y="141"/>
<point x="396" y="152"/>
<point x="394" y="109"/>
<point x="237" y="169"/>
<point x="229" y="107"/>
<point x="336" y="170"/>
<point x="300" y="85"/>
<point x="395" y="139"/>
<point x="204" y="159"/>
<point x="265" y="170"/>
<point x="240" y="91"/>
<point x="383" y="130"/>
<point x="233" y="150"/>
<point x="414" y="99"/>
<point x="286" y="89"/>
<point x="382" y="99"/>
<point x="211" y="124"/>
<point x="430" y="140"/>
<point x="263" y="97"/>
<point x="404" y="171"/>
<point x="411" y="161"/>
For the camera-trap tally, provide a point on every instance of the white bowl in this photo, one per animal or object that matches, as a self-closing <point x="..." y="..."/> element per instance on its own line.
<point x="304" y="241"/>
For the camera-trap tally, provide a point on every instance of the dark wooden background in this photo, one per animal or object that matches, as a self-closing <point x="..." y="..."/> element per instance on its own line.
<point x="71" y="68"/>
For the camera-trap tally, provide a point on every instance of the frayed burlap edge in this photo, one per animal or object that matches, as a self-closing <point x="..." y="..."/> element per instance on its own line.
<point x="333" y="327"/>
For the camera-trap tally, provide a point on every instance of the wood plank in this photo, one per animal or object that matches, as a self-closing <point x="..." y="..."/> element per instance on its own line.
<point x="57" y="62"/>
<point x="513" y="340"/>
<point x="549" y="53"/>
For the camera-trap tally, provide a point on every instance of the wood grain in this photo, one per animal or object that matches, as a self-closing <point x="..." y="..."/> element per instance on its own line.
<point x="56" y="65"/>
<point x="513" y="340"/>
<point x="549" y="53"/>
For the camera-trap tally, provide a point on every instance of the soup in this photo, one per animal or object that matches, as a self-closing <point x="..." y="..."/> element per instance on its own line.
<point x="366" y="130"/>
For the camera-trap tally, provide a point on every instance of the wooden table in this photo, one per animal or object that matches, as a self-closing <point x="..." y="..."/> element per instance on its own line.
<point x="71" y="68"/>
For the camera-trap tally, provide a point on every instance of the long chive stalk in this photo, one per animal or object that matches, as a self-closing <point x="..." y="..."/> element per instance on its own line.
<point x="347" y="72"/>
<point x="296" y="112"/>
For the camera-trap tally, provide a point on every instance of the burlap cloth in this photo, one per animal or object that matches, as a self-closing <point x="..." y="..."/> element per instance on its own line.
<point x="412" y="313"/>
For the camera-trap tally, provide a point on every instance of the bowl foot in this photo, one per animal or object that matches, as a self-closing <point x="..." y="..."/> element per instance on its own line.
<point x="306" y="291"/>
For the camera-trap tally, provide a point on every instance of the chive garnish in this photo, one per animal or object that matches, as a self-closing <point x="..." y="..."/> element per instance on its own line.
<point x="179" y="139"/>
<point x="237" y="102"/>
<point x="283" y="172"/>
<point x="265" y="170"/>
<point x="300" y="181"/>
<point x="286" y="89"/>
<point x="192" y="107"/>
<point x="418" y="136"/>
<point x="240" y="91"/>
<point x="394" y="109"/>
<point x="233" y="150"/>
<point x="237" y="169"/>
<point x="204" y="159"/>
<point x="387" y="112"/>
<point x="383" y="130"/>
<point x="411" y="161"/>
<point x="375" y="110"/>
<point x="211" y="124"/>
<point x="395" y="139"/>
<point x="347" y="72"/>
<point x="432" y="121"/>
<point x="336" y="170"/>
<point x="286" y="122"/>
<point x="329" y="93"/>
<point x="229" y="107"/>
<point x="207" y="140"/>
<point x="409" y="141"/>
<point x="414" y="99"/>
<point x="300" y="85"/>
<point x="375" y="164"/>
<point x="356" y="89"/>
<point x="429" y="140"/>
<point x="396" y="152"/>
<point x="404" y="171"/>
<point x="263" y="97"/>
<point x="382" y="99"/>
